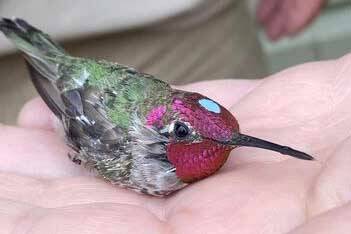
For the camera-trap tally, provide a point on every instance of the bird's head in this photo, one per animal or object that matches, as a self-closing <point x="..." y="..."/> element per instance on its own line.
<point x="201" y="134"/>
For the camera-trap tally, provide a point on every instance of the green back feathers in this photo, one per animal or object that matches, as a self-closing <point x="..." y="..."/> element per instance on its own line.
<point x="29" y="39"/>
<point x="137" y="95"/>
<point x="132" y="93"/>
<point x="126" y="91"/>
<point x="40" y="51"/>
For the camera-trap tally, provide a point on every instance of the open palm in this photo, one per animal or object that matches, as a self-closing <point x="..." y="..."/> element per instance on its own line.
<point x="257" y="191"/>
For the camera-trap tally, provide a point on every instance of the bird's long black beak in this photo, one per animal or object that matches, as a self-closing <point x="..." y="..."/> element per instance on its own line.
<point x="244" y="140"/>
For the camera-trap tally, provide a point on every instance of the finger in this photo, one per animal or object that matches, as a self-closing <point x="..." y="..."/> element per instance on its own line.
<point x="35" y="153"/>
<point x="226" y="92"/>
<point x="302" y="107"/>
<point x="334" y="221"/>
<point x="12" y="216"/>
<point x="97" y="218"/>
<point x="53" y="193"/>
<point x="265" y="10"/>
<point x="61" y="201"/>
<point x="36" y="114"/>
<point x="93" y="218"/>
<point x="333" y="185"/>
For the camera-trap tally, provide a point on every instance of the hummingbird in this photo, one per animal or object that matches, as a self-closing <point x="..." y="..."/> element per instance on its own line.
<point x="131" y="129"/>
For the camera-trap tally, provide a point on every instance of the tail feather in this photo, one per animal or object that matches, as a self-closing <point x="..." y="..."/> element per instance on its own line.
<point x="28" y="38"/>
<point x="43" y="57"/>
<point x="38" y="48"/>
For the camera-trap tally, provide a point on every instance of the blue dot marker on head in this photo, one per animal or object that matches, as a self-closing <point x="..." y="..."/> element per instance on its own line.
<point x="210" y="105"/>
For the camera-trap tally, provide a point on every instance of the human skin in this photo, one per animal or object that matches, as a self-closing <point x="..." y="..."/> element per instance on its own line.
<point x="281" y="18"/>
<point x="257" y="191"/>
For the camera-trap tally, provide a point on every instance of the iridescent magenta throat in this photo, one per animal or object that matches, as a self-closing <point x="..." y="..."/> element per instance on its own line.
<point x="199" y="160"/>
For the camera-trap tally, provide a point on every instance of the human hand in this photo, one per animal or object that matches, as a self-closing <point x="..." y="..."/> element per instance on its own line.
<point x="257" y="191"/>
<point x="286" y="17"/>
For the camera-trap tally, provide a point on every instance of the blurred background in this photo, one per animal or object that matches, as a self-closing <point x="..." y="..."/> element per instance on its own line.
<point x="179" y="41"/>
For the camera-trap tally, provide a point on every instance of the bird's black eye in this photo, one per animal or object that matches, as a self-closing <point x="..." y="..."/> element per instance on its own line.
<point x="181" y="130"/>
